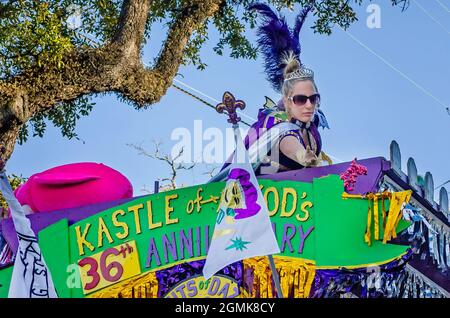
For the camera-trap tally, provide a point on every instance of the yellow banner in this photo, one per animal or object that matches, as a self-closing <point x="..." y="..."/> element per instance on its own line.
<point x="215" y="287"/>
<point x="113" y="265"/>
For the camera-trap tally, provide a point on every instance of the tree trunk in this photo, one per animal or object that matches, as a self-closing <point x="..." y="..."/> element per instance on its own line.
<point x="116" y="66"/>
<point x="8" y="139"/>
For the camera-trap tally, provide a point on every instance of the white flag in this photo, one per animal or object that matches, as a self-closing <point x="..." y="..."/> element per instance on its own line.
<point x="31" y="277"/>
<point x="243" y="228"/>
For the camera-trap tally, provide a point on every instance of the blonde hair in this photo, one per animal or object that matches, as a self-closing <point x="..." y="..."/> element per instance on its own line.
<point x="292" y="65"/>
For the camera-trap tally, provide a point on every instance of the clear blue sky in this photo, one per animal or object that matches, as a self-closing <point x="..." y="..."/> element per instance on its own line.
<point x="367" y="103"/>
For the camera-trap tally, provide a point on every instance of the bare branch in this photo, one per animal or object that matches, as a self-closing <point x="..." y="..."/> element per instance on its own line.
<point x="211" y="172"/>
<point x="181" y="167"/>
<point x="141" y="150"/>
<point x="179" y="154"/>
<point x="145" y="190"/>
<point x="174" y="167"/>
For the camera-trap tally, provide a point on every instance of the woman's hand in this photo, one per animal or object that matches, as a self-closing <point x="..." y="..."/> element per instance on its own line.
<point x="310" y="157"/>
<point x="292" y="148"/>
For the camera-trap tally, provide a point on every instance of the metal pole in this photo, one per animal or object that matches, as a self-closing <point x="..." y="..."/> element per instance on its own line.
<point x="156" y="189"/>
<point x="230" y="105"/>
<point x="275" y="277"/>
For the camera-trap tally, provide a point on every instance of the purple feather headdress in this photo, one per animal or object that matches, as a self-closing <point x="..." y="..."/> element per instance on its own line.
<point x="277" y="41"/>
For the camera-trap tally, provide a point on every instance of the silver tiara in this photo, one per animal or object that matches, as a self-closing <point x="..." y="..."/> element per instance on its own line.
<point x="302" y="73"/>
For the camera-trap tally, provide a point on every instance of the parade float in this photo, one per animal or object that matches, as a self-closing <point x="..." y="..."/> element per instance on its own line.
<point x="353" y="229"/>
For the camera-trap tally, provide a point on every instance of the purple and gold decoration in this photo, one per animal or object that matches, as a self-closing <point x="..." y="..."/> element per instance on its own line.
<point x="230" y="105"/>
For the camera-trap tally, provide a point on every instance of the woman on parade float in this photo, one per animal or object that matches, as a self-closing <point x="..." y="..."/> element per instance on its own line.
<point x="285" y="136"/>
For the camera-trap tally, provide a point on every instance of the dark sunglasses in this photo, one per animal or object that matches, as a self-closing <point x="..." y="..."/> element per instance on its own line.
<point x="300" y="100"/>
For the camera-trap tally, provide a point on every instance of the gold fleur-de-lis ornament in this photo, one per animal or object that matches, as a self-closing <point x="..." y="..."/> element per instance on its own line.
<point x="230" y="105"/>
